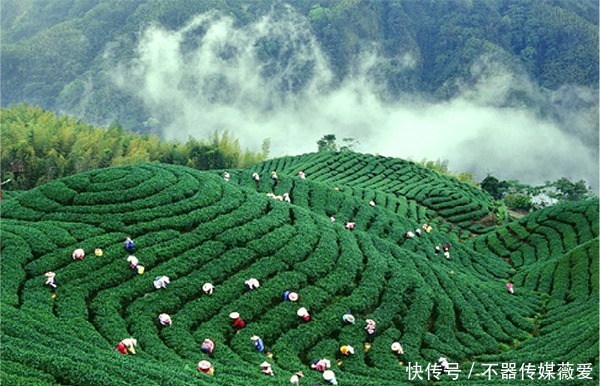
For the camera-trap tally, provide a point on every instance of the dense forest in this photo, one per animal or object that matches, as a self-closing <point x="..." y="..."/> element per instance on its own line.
<point x="62" y="54"/>
<point x="38" y="146"/>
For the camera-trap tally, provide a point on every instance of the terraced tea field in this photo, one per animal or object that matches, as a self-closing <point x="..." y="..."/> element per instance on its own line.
<point x="195" y="227"/>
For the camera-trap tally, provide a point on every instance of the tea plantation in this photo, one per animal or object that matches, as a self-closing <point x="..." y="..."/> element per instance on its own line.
<point x="195" y="227"/>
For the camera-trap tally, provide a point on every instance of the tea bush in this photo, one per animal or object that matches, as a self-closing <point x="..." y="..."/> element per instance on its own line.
<point x="195" y="228"/>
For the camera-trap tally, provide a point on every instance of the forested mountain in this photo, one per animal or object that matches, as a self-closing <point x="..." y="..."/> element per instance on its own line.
<point x="61" y="54"/>
<point x="508" y="87"/>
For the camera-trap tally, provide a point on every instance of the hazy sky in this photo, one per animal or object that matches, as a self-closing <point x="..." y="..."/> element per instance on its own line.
<point x="207" y="77"/>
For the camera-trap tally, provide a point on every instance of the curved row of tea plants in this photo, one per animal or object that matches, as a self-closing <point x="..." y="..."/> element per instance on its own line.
<point x="194" y="227"/>
<point x="447" y="197"/>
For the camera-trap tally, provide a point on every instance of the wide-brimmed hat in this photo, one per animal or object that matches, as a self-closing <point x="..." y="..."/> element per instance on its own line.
<point x="442" y="359"/>
<point x="207" y="287"/>
<point x="396" y="346"/>
<point x="349" y="318"/>
<point x="328" y="375"/>
<point x="98" y="252"/>
<point x="350" y="349"/>
<point x="302" y="311"/>
<point x="265" y="364"/>
<point x="204" y="365"/>
<point x="49" y="274"/>
<point x="234" y="315"/>
<point x="370" y="322"/>
<point x="255" y="337"/>
<point x="293" y="296"/>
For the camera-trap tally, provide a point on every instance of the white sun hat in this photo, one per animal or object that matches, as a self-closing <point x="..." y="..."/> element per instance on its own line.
<point x="396" y="347"/>
<point x="293" y="296"/>
<point x="207" y="287"/>
<point x="234" y="315"/>
<point x="328" y="375"/>
<point x="302" y="311"/>
<point x="204" y="365"/>
<point x="265" y="364"/>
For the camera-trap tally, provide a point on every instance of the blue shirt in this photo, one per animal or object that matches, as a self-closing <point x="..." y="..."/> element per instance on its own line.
<point x="259" y="345"/>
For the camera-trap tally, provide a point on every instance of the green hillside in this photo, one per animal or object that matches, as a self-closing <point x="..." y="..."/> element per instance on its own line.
<point x="195" y="227"/>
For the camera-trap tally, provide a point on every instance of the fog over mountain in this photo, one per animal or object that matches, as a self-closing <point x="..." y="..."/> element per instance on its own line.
<point x="222" y="84"/>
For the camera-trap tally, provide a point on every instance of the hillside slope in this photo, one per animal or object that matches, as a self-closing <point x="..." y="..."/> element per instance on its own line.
<point x="63" y="54"/>
<point x="195" y="227"/>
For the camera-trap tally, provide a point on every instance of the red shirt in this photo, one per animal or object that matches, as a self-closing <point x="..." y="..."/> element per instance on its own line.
<point x="238" y="323"/>
<point x="121" y="348"/>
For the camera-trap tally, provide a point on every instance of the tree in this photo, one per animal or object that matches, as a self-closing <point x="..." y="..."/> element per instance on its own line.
<point x="327" y="143"/>
<point x="518" y="201"/>
<point x="565" y="190"/>
<point x="494" y="187"/>
<point x="349" y="144"/>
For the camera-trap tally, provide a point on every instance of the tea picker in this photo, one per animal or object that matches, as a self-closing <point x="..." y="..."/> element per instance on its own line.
<point x="51" y="283"/>
<point x="129" y="245"/>
<point x="78" y="254"/>
<point x="348" y="318"/>
<point x="303" y="313"/>
<point x="161" y="282"/>
<point x="258" y="343"/>
<point x="256" y="178"/>
<point x="208" y="346"/>
<point x="370" y="328"/>
<point x="509" y="288"/>
<point x="397" y="348"/>
<point x="266" y="368"/>
<point x="206" y="367"/>
<point x="321" y="364"/>
<point x="127" y="345"/>
<point x="164" y="320"/>
<point x="290" y="296"/>
<point x="208" y="288"/>
<point x="295" y="379"/>
<point x="329" y="376"/>
<point x="347" y="350"/>
<point x="237" y="322"/>
<point x="251" y="284"/>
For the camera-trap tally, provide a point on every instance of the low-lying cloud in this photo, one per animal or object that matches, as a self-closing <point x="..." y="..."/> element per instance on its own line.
<point x="213" y="75"/>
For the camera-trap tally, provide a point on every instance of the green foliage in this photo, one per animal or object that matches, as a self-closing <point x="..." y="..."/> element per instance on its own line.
<point x="518" y="201"/>
<point x="327" y="143"/>
<point x="494" y="187"/>
<point x="53" y="53"/>
<point x="195" y="228"/>
<point x="38" y="146"/>
<point x="566" y="190"/>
